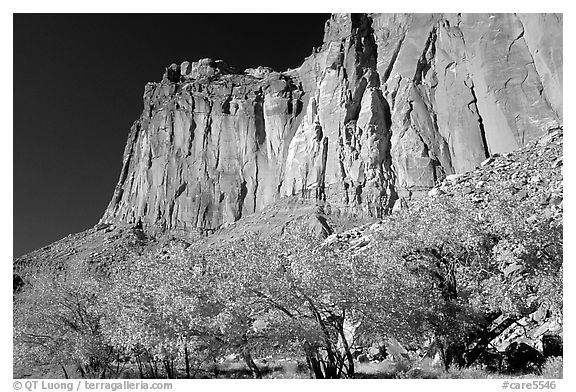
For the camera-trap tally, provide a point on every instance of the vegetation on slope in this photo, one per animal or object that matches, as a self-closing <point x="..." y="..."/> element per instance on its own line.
<point x="451" y="274"/>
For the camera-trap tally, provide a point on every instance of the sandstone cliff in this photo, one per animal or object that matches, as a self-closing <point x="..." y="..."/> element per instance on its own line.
<point x="384" y="110"/>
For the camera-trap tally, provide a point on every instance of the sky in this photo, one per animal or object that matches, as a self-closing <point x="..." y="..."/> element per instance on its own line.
<point x="78" y="81"/>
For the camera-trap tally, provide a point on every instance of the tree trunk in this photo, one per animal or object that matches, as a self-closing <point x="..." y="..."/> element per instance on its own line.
<point x="331" y="368"/>
<point x="168" y="368"/>
<point x="474" y="353"/>
<point x="82" y="372"/>
<point x="312" y="361"/>
<point x="251" y="365"/>
<point x="139" y="362"/>
<point x="187" y="361"/>
<point x="153" y="368"/>
<point x="347" y="353"/>
<point x="442" y="350"/>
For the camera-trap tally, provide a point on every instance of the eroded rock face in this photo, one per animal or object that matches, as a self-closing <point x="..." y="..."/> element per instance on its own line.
<point x="384" y="110"/>
<point x="207" y="149"/>
<point x="463" y="87"/>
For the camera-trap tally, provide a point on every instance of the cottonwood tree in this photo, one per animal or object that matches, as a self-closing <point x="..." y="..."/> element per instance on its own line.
<point x="57" y="322"/>
<point x="442" y="271"/>
<point x="486" y="261"/>
<point x="289" y="292"/>
<point x="161" y="309"/>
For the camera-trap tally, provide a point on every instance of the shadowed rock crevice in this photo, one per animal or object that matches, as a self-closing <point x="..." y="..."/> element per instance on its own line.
<point x="390" y="66"/>
<point x="480" y="121"/>
<point x="425" y="61"/>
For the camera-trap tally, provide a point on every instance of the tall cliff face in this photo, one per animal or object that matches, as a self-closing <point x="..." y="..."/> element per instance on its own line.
<point x="388" y="106"/>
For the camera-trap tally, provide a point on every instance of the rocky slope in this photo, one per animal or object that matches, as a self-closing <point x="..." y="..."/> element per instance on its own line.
<point x="533" y="177"/>
<point x="386" y="108"/>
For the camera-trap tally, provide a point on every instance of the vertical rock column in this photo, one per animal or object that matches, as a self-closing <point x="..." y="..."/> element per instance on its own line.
<point x="348" y="119"/>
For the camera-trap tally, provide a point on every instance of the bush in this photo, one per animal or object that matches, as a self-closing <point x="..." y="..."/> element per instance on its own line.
<point x="553" y="368"/>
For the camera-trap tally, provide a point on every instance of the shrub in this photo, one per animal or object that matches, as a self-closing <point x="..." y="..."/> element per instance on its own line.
<point x="553" y="368"/>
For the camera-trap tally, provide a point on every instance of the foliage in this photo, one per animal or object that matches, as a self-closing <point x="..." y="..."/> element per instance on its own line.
<point x="436" y="274"/>
<point x="553" y="368"/>
<point x="159" y="308"/>
<point x="56" y="321"/>
<point x="486" y="261"/>
<point x="528" y="256"/>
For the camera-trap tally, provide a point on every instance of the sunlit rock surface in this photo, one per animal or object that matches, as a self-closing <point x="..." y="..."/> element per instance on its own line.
<point x="387" y="108"/>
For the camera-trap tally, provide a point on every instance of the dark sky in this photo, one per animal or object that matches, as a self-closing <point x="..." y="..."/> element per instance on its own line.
<point x="78" y="85"/>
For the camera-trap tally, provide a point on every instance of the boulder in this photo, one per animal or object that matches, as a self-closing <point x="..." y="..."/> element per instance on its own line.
<point x="552" y="345"/>
<point x="173" y="73"/>
<point x="520" y="357"/>
<point x="185" y="68"/>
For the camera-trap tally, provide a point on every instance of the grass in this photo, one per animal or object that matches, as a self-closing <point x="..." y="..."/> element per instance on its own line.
<point x="283" y="368"/>
<point x="296" y="368"/>
<point x="552" y="369"/>
<point x="384" y="369"/>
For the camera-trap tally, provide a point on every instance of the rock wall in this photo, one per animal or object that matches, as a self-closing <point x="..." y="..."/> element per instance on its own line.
<point x="384" y="110"/>
<point x="208" y="147"/>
